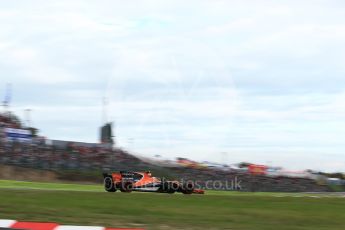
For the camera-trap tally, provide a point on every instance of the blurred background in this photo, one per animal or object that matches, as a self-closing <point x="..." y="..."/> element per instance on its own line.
<point x="249" y="91"/>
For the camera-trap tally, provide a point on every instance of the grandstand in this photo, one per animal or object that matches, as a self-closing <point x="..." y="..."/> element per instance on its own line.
<point x="85" y="161"/>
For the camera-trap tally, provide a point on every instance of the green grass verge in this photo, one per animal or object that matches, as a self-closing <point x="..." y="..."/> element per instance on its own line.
<point x="9" y="184"/>
<point x="71" y="204"/>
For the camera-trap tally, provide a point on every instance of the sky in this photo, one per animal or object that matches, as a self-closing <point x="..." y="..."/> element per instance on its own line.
<point x="222" y="81"/>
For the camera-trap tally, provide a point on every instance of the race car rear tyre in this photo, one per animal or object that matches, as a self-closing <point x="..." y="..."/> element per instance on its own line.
<point x="109" y="184"/>
<point x="171" y="187"/>
<point x="126" y="187"/>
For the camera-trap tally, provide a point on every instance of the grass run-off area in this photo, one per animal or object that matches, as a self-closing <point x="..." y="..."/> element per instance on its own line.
<point x="90" y="205"/>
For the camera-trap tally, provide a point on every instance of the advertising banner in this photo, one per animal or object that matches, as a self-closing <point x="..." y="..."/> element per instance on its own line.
<point x="257" y="169"/>
<point x="21" y="135"/>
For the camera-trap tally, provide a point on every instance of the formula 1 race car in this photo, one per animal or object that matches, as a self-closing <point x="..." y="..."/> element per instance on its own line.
<point x="126" y="181"/>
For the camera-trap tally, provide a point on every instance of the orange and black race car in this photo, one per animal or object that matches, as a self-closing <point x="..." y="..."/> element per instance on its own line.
<point x="126" y="181"/>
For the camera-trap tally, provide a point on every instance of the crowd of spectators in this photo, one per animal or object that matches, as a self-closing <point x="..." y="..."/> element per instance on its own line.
<point x="85" y="159"/>
<point x="9" y="120"/>
<point x="244" y="181"/>
<point x="39" y="155"/>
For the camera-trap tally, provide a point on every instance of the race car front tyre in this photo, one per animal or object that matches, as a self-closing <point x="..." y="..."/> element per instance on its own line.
<point x="109" y="184"/>
<point x="187" y="188"/>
